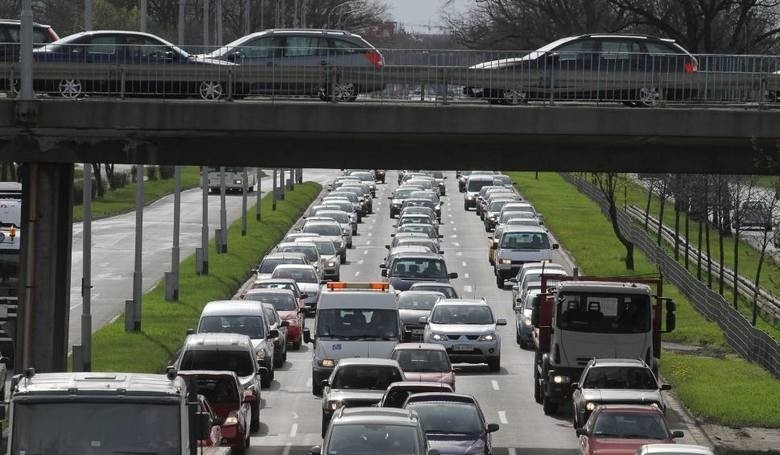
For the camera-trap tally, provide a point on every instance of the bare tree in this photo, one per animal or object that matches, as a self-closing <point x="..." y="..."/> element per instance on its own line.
<point x="663" y="195"/>
<point x="768" y="199"/>
<point x="741" y="191"/>
<point x="608" y="183"/>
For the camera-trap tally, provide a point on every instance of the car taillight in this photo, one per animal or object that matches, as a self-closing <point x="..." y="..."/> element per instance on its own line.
<point x="375" y="58"/>
<point x="691" y="66"/>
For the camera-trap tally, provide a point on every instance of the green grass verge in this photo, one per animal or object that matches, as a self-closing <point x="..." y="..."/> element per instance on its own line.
<point x="748" y="255"/>
<point x="727" y="391"/>
<point x="121" y="200"/>
<point x="164" y="324"/>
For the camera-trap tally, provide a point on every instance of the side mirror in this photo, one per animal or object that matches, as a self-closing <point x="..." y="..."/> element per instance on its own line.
<point x="501" y="321"/>
<point x="387" y="247"/>
<point x="304" y="296"/>
<point x="678" y="434"/>
<point x="512" y="280"/>
<point x="581" y="432"/>
<point x="382" y="266"/>
<point x="441" y="236"/>
<point x="555" y="246"/>
<point x="306" y="336"/>
<point x="323" y="281"/>
<point x="273" y="333"/>
<point x="441" y="251"/>
<point x="392" y="235"/>
<point x="285" y="324"/>
<point x="575" y="385"/>
<point x="384" y="272"/>
<point x="190" y="331"/>
<point x="452" y="275"/>
<point x="423" y="320"/>
<point x="671" y="316"/>
<point x="492" y="428"/>
<point x="316" y="450"/>
<point x="325" y="383"/>
<point x="666" y="387"/>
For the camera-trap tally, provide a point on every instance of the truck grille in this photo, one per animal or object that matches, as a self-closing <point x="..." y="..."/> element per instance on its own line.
<point x="457" y="337"/>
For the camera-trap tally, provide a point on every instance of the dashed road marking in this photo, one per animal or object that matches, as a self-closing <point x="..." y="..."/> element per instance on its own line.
<point x="454" y="228"/>
<point x="454" y="236"/>
<point x="293" y="430"/>
<point x="360" y="262"/>
<point x="456" y="244"/>
<point x="365" y="252"/>
<point x="494" y="383"/>
<point x="357" y="273"/>
<point x="370" y="234"/>
<point x="502" y="417"/>
<point x="459" y="253"/>
<point x="287" y="448"/>
<point x="452" y="222"/>
<point x="464" y="264"/>
<point x="467" y="288"/>
<point x="368" y="242"/>
<point x="466" y="276"/>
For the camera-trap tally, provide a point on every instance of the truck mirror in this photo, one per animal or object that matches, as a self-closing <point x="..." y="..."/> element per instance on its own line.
<point x="384" y="272"/>
<point x="671" y="316"/>
<point x="492" y="427"/>
<point x="273" y="333"/>
<point x="535" y="314"/>
<point x="306" y="336"/>
<point x="581" y="432"/>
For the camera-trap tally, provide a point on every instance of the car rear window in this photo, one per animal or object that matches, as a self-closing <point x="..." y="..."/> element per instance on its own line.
<point x="216" y="390"/>
<point x="240" y="362"/>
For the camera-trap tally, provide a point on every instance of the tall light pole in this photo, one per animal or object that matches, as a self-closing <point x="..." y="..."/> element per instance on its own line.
<point x="26" y="88"/>
<point x="143" y="15"/>
<point x="248" y="16"/>
<point x="205" y="25"/>
<point x="87" y="15"/>
<point x="182" y="6"/>
<point x="219" y="22"/>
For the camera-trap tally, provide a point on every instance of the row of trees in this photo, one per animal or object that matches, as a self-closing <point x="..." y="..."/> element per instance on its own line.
<point x="718" y="205"/>
<point x="67" y="16"/>
<point x="702" y="26"/>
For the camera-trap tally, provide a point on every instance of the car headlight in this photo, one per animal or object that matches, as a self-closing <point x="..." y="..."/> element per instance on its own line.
<point x="470" y="197"/>
<point x="527" y="321"/>
<point x="492" y="217"/>
<point x="590" y="406"/>
<point x="505" y="261"/>
<point x="347" y="231"/>
<point x="237" y="182"/>
<point x="437" y="337"/>
<point x="331" y="264"/>
<point x="559" y="379"/>
<point x="231" y="420"/>
<point x="333" y="405"/>
<point x="260" y="355"/>
<point x="487" y="337"/>
<point x="328" y="363"/>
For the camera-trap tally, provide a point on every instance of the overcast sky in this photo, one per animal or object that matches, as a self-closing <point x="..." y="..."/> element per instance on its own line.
<point x="420" y="11"/>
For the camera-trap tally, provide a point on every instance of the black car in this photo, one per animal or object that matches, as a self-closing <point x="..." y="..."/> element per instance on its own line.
<point x="379" y="175"/>
<point x="577" y="68"/>
<point x="121" y="62"/>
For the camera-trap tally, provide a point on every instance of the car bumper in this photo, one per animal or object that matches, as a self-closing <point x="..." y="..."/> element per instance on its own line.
<point x="471" y="351"/>
<point x="413" y="333"/>
<point x="469" y="202"/>
<point x="331" y="274"/>
<point x="232" y="436"/>
<point x="294" y="333"/>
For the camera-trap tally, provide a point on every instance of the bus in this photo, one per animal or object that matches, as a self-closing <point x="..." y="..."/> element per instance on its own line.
<point x="234" y="179"/>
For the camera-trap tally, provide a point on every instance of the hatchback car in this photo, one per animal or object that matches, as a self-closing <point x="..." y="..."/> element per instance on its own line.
<point x="385" y="431"/>
<point x="275" y="322"/>
<point x="425" y="362"/>
<point x="445" y="288"/>
<point x="622" y="429"/>
<point x="639" y="58"/>
<point x="330" y="258"/>
<point x="267" y="266"/>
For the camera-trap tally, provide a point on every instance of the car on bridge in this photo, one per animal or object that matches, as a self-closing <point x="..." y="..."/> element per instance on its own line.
<point x="576" y="68"/>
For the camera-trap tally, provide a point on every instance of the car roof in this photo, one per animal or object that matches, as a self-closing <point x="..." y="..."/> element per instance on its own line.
<point x="604" y="286"/>
<point x="420" y="255"/>
<point x="428" y="385"/>
<point x="18" y="22"/>
<point x="419" y="347"/>
<point x="525" y="228"/>
<point x="462" y="302"/>
<point x="441" y="397"/>
<point x="285" y="254"/>
<point x="435" y="284"/>
<point x="401" y="249"/>
<point x="212" y="340"/>
<point x="234" y="307"/>
<point x="295" y="266"/>
<point x="367" y="361"/>
<point x="608" y="362"/>
<point x="269" y="291"/>
<point x="394" y="416"/>
<point x="632" y="408"/>
<point x="209" y="373"/>
<point x="419" y="292"/>
<point x="275" y="280"/>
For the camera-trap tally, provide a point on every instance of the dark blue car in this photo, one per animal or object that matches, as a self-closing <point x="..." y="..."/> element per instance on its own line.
<point x="453" y="423"/>
<point x="104" y="62"/>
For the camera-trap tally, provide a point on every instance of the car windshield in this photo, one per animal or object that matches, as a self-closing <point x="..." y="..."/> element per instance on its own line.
<point x="630" y="425"/>
<point x="341" y="217"/>
<point x="325" y="247"/>
<point x="268" y="265"/>
<point x="414" y="218"/>
<point x="506" y="216"/>
<point x="371" y="377"/>
<point x="477" y="184"/>
<point x="422" y="361"/>
<point x="403" y="193"/>
<point x="363" y="438"/>
<point x="620" y="378"/>
<point x="300" y="275"/>
<point x="448" y="291"/>
<point x="357" y="324"/>
<point x="218" y="390"/>
<point x="310" y="251"/>
<point x="289" y="286"/>
<point x="323" y="229"/>
<point x="525" y="241"/>
<point x="352" y="197"/>
<point x="239" y="362"/>
<point x="413" y="301"/>
<point x="448" y="418"/>
<point x="419" y="268"/>
<point x="251" y="326"/>
<point x="496" y="206"/>
<point x="79" y="427"/>
<point x="604" y="313"/>
<point x="424" y="228"/>
<point x="282" y="302"/>
<point x="462" y="314"/>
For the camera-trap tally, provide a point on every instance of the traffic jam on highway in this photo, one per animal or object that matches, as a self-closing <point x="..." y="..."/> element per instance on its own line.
<point x="366" y="331"/>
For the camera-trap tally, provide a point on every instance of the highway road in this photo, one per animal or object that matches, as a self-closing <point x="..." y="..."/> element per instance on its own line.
<point x="113" y="249"/>
<point x="291" y="414"/>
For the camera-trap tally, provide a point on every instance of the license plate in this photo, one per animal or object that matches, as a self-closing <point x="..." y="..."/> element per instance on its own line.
<point x="461" y="347"/>
<point x="417" y="331"/>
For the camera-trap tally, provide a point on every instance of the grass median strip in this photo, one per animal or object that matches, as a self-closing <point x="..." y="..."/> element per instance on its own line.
<point x="585" y="232"/>
<point x="122" y="200"/>
<point x="164" y="324"/>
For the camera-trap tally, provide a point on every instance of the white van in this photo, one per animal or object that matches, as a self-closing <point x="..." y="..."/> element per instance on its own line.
<point x="353" y="320"/>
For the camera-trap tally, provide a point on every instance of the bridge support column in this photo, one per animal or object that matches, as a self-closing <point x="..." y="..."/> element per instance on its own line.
<point x="44" y="294"/>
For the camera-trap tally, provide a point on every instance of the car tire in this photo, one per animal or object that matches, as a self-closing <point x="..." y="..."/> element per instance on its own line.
<point x="465" y="207"/>
<point x="284" y="355"/>
<point x="316" y="390"/>
<point x="487" y="227"/>
<point x="499" y="281"/>
<point x="494" y="364"/>
<point x="278" y="360"/>
<point x="324" y="426"/>
<point x="297" y="344"/>
<point x="549" y="407"/>
<point x="272" y="374"/>
<point x="265" y="382"/>
<point x="519" y="339"/>
<point x="211" y="90"/>
<point x="337" y="278"/>
<point x="255" y="425"/>
<point x="343" y="258"/>
<point x="537" y="386"/>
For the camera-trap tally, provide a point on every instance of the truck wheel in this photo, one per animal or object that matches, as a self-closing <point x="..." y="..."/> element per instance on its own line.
<point x="494" y="364"/>
<point x="255" y="425"/>
<point x="465" y="207"/>
<point x="324" y="426"/>
<point x="549" y="407"/>
<point x="499" y="281"/>
<point x="519" y="339"/>
<point x="316" y="390"/>
<point x="537" y="386"/>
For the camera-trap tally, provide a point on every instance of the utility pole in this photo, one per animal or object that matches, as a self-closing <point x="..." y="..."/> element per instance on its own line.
<point x="274" y="194"/>
<point x="139" y="233"/>
<point x="26" y="88"/>
<point x="143" y="15"/>
<point x="219" y="22"/>
<point x="295" y="13"/>
<point x="245" y="189"/>
<point x="222" y="212"/>
<point x="303" y="13"/>
<point x="86" y="280"/>
<point x="202" y="253"/>
<point x="248" y="16"/>
<point x="206" y="40"/>
<point x="281" y="184"/>
<point x="172" y="278"/>
<point x="87" y="15"/>
<point x="262" y="15"/>
<point x="182" y="7"/>
<point x="258" y="212"/>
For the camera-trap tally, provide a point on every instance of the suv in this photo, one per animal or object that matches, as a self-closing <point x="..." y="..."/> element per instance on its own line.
<point x="409" y="268"/>
<point x="615" y="381"/>
<point x="330" y="258"/>
<point x="389" y="431"/>
<point x="246" y="318"/>
<point x="221" y="352"/>
<point x="357" y="382"/>
<point x="467" y="329"/>
<point x="518" y="245"/>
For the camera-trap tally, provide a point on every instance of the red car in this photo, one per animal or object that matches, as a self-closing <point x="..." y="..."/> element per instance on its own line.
<point x="290" y="309"/>
<point x="228" y="401"/>
<point x="279" y="283"/>
<point x="621" y="429"/>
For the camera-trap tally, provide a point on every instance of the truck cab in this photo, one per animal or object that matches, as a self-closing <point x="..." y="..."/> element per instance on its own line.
<point x="353" y="320"/>
<point x="95" y="413"/>
<point x="582" y="319"/>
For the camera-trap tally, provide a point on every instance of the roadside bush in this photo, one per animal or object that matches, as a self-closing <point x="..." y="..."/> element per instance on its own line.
<point x="119" y="180"/>
<point x="151" y="173"/>
<point x="166" y="172"/>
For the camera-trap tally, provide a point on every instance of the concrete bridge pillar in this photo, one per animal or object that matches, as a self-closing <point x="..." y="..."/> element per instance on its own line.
<point x="44" y="293"/>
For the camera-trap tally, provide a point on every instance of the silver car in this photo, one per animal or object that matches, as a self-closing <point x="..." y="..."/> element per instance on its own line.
<point x="467" y="329"/>
<point x="330" y="260"/>
<point x="342" y="218"/>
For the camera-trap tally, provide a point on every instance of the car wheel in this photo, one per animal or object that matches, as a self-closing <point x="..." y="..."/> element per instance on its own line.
<point x="549" y="407"/>
<point x="71" y="88"/>
<point x="649" y="97"/>
<point x="278" y="360"/>
<point x="284" y="356"/>
<point x="514" y="97"/>
<point x="337" y="278"/>
<point x="537" y="386"/>
<point x="349" y="245"/>
<point x="343" y="258"/>
<point x="324" y="426"/>
<point x="494" y="364"/>
<point x="519" y="339"/>
<point x="465" y="207"/>
<point x="316" y="389"/>
<point x="297" y="345"/>
<point x="499" y="281"/>
<point x="272" y="374"/>
<point x="265" y="382"/>
<point x="210" y="90"/>
<point x="255" y="425"/>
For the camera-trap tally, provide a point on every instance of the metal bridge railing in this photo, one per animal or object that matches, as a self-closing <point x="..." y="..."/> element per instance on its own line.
<point x="397" y="75"/>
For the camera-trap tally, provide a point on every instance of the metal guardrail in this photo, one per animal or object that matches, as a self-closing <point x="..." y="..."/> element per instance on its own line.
<point x="768" y="304"/>
<point x="749" y="342"/>
<point x="438" y="76"/>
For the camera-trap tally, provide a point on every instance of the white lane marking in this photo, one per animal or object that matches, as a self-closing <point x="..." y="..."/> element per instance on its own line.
<point x="357" y="273"/>
<point x="365" y="252"/>
<point x="466" y="276"/>
<point x="456" y="244"/>
<point x="293" y="430"/>
<point x="459" y="253"/>
<point x="454" y="236"/>
<point x="368" y="242"/>
<point x="512" y="451"/>
<point x="295" y="415"/>
<point x="454" y="228"/>
<point x="360" y="262"/>
<point x="452" y="222"/>
<point x="502" y="418"/>
<point x="308" y="383"/>
<point x="287" y="448"/>
<point x="467" y="288"/>
<point x="449" y="215"/>
<point x="494" y="383"/>
<point x="370" y="234"/>
<point x="464" y="264"/>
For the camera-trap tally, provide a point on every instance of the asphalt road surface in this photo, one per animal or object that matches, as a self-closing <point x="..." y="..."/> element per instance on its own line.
<point x="291" y="415"/>
<point x="113" y="246"/>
